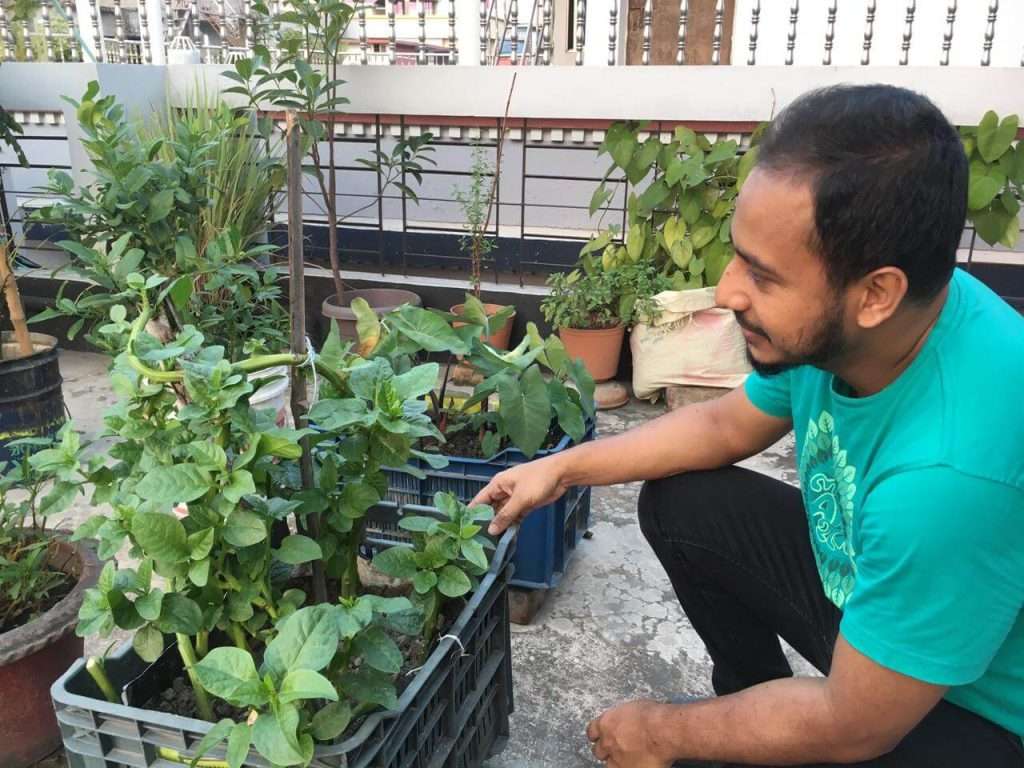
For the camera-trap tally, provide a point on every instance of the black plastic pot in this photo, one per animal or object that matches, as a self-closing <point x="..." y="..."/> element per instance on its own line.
<point x="31" y="401"/>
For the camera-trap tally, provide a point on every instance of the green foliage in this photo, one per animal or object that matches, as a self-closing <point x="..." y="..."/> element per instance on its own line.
<point x="679" y="215"/>
<point x="996" y="184"/>
<point x="41" y="481"/>
<point x="603" y="298"/>
<point x="475" y="204"/>
<point x="448" y="555"/>
<point x="154" y="210"/>
<point x="539" y="390"/>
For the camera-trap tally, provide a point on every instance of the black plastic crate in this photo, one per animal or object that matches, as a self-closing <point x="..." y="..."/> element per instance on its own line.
<point x="547" y="537"/>
<point x="454" y="714"/>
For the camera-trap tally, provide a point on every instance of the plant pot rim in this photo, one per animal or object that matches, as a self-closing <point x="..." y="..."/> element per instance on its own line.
<point x="61" y="619"/>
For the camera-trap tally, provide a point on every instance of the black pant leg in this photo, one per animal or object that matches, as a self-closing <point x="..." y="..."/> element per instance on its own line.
<point x="736" y="547"/>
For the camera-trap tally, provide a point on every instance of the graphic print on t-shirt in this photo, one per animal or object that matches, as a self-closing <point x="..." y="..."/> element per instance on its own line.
<point x="828" y="484"/>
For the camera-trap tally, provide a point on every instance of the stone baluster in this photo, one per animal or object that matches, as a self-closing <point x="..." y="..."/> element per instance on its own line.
<point x="947" y="36"/>
<point x="869" y="33"/>
<point x="830" y="32"/>
<point x="794" y="10"/>
<point x="908" y="33"/>
<point x="990" y="33"/>
<point x="645" y="56"/>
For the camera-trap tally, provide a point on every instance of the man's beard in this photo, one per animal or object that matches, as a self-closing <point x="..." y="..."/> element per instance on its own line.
<point x="828" y="344"/>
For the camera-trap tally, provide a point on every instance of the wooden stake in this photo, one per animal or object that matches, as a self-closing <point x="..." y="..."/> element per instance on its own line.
<point x="297" y="309"/>
<point x="15" y="306"/>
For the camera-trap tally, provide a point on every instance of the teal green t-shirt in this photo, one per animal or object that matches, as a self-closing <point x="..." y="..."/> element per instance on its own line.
<point x="915" y="502"/>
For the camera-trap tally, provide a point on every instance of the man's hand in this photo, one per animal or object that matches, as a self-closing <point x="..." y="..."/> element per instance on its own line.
<point x="516" y="492"/>
<point x="628" y="736"/>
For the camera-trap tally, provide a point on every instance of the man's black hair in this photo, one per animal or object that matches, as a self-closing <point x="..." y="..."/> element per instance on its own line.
<point x="889" y="180"/>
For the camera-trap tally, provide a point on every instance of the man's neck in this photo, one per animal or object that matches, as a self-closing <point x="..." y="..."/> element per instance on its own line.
<point x="888" y="352"/>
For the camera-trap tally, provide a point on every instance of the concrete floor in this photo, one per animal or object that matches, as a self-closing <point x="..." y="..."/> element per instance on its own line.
<point x="611" y="631"/>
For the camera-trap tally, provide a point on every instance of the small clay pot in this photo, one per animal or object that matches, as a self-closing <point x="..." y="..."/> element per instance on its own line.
<point x="599" y="349"/>
<point x="381" y="301"/>
<point x="35" y="654"/>
<point x="500" y="338"/>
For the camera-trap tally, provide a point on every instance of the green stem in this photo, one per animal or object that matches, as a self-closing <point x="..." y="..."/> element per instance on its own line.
<point x="94" y="666"/>
<point x="174" y="756"/>
<point x="188" y="656"/>
<point x="238" y="636"/>
<point x="202" y="644"/>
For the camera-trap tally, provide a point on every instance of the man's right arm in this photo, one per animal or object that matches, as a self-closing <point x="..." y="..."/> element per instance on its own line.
<point x="700" y="436"/>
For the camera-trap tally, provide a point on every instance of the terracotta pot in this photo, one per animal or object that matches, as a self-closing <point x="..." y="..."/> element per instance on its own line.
<point x="499" y="339"/>
<point x="381" y="301"/>
<point x="599" y="349"/>
<point x="34" y="655"/>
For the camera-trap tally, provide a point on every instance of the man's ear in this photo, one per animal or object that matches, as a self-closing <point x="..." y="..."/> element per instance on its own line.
<point x="881" y="293"/>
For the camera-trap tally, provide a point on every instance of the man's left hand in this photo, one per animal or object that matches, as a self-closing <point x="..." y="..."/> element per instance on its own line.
<point x="627" y="736"/>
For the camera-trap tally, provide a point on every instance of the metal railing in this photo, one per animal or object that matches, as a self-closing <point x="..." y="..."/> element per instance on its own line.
<point x="529" y="32"/>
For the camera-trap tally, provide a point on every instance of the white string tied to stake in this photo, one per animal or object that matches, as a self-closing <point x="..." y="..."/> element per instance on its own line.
<point x="311" y="362"/>
<point x="454" y="639"/>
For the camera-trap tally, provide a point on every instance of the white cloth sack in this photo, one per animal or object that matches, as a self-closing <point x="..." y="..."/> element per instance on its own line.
<point x="692" y="343"/>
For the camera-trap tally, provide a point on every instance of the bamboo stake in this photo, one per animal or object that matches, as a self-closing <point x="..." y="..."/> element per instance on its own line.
<point x="15" y="306"/>
<point x="297" y="310"/>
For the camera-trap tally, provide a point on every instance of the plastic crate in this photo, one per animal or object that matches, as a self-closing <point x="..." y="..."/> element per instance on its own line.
<point x="454" y="714"/>
<point x="547" y="537"/>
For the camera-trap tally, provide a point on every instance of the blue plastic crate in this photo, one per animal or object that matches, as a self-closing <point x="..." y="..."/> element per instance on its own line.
<point x="547" y="537"/>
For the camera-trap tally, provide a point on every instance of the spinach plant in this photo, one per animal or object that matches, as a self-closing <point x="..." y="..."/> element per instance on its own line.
<point x="446" y="560"/>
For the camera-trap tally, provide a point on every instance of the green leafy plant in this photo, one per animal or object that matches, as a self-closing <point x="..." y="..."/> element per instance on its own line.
<point x="306" y="32"/>
<point x="447" y="557"/>
<point x="154" y="210"/>
<point x="540" y="392"/>
<point x="680" y="215"/>
<point x="475" y="202"/>
<point x="603" y="298"/>
<point x="40" y="482"/>
<point x="996" y="184"/>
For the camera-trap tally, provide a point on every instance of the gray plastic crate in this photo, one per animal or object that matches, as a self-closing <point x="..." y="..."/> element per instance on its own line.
<point x="454" y="714"/>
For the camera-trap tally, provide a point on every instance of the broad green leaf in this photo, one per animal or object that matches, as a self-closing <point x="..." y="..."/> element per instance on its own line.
<point x="148" y="643"/>
<point x="239" y="741"/>
<point x="525" y="410"/>
<point x="424" y="581"/>
<point x="570" y="417"/>
<point x="230" y="674"/>
<point x="417" y="381"/>
<point x="244" y="528"/>
<point x="378" y="650"/>
<point x="277" y="741"/>
<point x="160" y="205"/>
<point x="418" y="524"/>
<point x="370" y="687"/>
<point x="298" y="549"/>
<point x="240" y="483"/>
<point x="200" y="543"/>
<point x="331" y="721"/>
<point x="199" y="572"/>
<point x="213" y="737"/>
<point x="174" y="485"/>
<point x="473" y="551"/>
<point x="995" y="136"/>
<point x="452" y="581"/>
<point x="161" y="536"/>
<point x="306" y="684"/>
<point x="308" y="639"/>
<point x="179" y="615"/>
<point x="397" y="562"/>
<point x="149" y="604"/>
